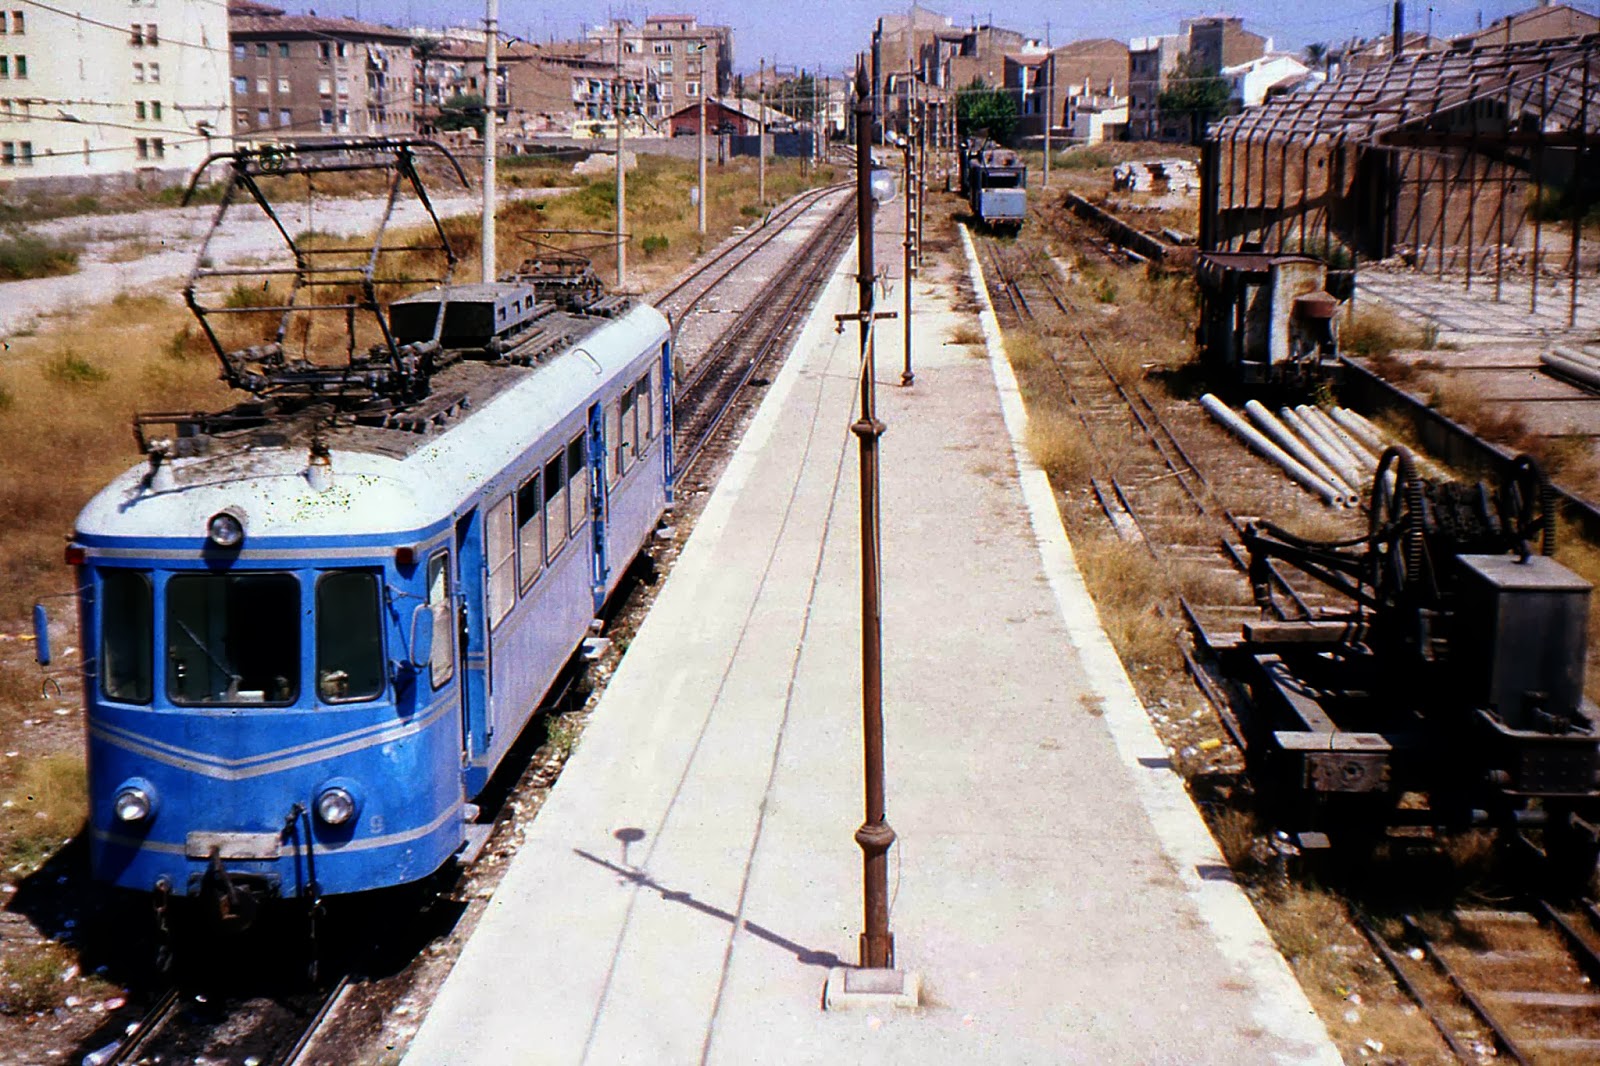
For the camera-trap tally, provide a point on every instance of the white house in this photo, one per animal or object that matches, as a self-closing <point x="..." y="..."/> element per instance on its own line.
<point x="1250" y="82"/>
<point x="91" y="97"/>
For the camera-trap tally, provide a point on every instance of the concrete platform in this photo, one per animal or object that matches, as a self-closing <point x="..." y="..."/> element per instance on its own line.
<point x="692" y="878"/>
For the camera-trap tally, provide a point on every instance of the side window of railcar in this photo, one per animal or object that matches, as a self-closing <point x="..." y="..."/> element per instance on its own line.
<point x="125" y="635"/>
<point x="349" y="637"/>
<point x="502" y="549"/>
<point x="613" y="448"/>
<point x="444" y="615"/>
<point x="577" y="483"/>
<point x="555" y="507"/>
<point x="647" y="410"/>
<point x="530" y="532"/>
<point x="628" y="442"/>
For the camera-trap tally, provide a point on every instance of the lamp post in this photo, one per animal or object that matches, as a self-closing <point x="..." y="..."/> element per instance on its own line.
<point x="875" y="837"/>
<point x="907" y="378"/>
<point x="761" y="136"/>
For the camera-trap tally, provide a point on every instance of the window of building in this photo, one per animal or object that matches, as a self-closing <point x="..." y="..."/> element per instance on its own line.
<point x="238" y="51"/>
<point x="241" y="86"/>
<point x="343" y="50"/>
<point x="150" y="34"/>
<point x="691" y="89"/>
<point x="136" y="34"/>
<point x="158" y="148"/>
<point x="284" y="118"/>
<point x="325" y="86"/>
<point x="27" y="153"/>
<point x="19" y="22"/>
<point x="241" y="118"/>
<point x="666" y="66"/>
<point x="283" y="85"/>
<point x="19" y="66"/>
<point x="141" y="147"/>
<point x="153" y="71"/>
<point x="8" y="153"/>
<point x="138" y="110"/>
<point x="261" y="85"/>
<point x="324" y="51"/>
<point x="662" y="48"/>
<point x="344" y="118"/>
<point x="344" y="86"/>
<point x="327" y="117"/>
<point x="262" y="117"/>
<point x="261" y="50"/>
<point x="138" y="72"/>
<point x="283" y="50"/>
<point x="666" y="92"/>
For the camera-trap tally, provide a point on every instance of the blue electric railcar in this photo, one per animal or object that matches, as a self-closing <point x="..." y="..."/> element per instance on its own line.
<point x="310" y="640"/>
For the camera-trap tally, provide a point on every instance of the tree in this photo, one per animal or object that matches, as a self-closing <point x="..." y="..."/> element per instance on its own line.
<point x="462" y="111"/>
<point x="1317" y="55"/>
<point x="1195" y="93"/>
<point x="980" y="107"/>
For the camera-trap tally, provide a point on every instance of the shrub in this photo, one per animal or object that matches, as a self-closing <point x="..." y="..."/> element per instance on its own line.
<point x="242" y="295"/>
<point x="72" y="369"/>
<point x="24" y="255"/>
<point x="654" y="243"/>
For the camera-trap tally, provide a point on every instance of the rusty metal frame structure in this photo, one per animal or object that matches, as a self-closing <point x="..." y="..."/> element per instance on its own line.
<point x="388" y="369"/>
<point x="1434" y="157"/>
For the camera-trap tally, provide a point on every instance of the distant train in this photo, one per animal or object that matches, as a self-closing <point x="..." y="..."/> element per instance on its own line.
<point x="315" y="622"/>
<point x="995" y="182"/>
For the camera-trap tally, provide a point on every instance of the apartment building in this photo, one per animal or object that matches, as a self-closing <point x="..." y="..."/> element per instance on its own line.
<point x="1089" y="75"/>
<point x="127" y="92"/>
<point x="1212" y="43"/>
<point x="307" y="78"/>
<point x="678" y="54"/>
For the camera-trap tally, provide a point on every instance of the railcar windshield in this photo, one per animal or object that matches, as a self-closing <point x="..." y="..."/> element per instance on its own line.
<point x="125" y="637"/>
<point x="233" y="639"/>
<point x="349" y="642"/>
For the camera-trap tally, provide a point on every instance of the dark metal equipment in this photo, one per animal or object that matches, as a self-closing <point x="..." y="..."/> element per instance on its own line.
<point x="995" y="182"/>
<point x="1268" y="319"/>
<point x="1451" y="693"/>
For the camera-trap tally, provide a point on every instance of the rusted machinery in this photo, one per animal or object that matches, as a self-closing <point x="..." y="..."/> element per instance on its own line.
<point x="1450" y="694"/>
<point x="1268" y="319"/>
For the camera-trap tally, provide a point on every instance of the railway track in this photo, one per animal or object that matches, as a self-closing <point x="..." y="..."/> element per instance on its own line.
<point x="1513" y="985"/>
<point x="189" y="1027"/>
<point x="1149" y="482"/>
<point x="719" y="378"/>
<point x="686" y="295"/>
<point x="1519" y="982"/>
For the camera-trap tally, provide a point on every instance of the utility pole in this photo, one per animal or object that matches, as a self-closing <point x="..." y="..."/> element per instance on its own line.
<point x="702" y="222"/>
<point x="619" y="112"/>
<point x="491" y="97"/>
<point x="761" y="141"/>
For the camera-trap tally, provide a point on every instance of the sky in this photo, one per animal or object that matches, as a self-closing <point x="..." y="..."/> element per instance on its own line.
<point x="809" y="33"/>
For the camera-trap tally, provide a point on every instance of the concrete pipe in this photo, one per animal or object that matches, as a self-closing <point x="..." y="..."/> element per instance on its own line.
<point x="1271" y="452"/>
<point x="1313" y="438"/>
<point x="1560" y="361"/>
<point x="1360" y="429"/>
<point x="1363" y="457"/>
<point x="1275" y="430"/>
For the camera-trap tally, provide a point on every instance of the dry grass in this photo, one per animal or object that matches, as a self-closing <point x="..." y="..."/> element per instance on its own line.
<point x="45" y="799"/>
<point x="35" y="977"/>
<point x="71" y="390"/>
<point x="966" y="334"/>
<point x="1376" y="332"/>
<point x="1061" y="448"/>
<point x="1128" y="587"/>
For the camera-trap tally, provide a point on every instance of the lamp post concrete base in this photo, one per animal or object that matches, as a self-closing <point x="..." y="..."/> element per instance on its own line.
<point x="849" y="988"/>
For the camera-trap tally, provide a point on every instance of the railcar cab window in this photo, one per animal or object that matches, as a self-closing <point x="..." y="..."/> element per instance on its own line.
<point x="233" y="639"/>
<point x="125" y="635"/>
<point x="350" y="665"/>
<point x="502" y="550"/>
<point x="444" y="654"/>
<point x="628" y="439"/>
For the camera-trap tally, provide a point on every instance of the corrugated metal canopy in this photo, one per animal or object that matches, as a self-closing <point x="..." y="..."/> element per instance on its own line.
<point x="1535" y="90"/>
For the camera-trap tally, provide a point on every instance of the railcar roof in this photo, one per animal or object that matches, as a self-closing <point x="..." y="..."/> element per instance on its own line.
<point x="407" y="476"/>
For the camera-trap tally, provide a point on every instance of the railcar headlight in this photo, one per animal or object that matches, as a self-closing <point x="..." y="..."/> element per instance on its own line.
<point x="336" y="805"/>
<point x="135" y="802"/>
<point x="225" y="529"/>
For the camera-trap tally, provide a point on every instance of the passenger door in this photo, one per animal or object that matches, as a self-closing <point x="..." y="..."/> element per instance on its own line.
<point x="474" y="642"/>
